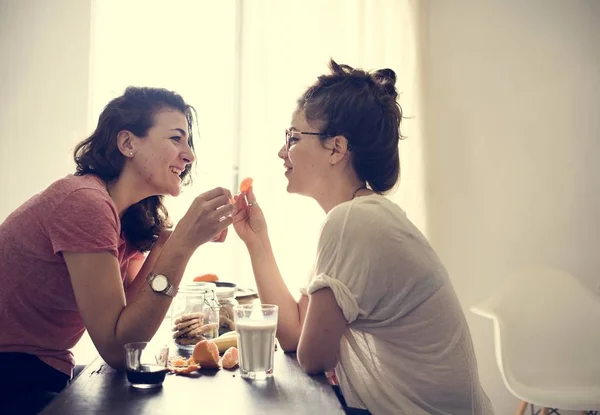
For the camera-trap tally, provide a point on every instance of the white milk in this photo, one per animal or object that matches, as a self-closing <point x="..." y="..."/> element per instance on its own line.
<point x="256" y="344"/>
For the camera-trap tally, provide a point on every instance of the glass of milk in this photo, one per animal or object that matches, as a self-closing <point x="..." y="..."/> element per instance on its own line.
<point x="256" y="325"/>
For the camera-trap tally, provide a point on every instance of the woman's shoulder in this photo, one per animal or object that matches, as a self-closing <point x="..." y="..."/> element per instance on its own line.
<point x="73" y="193"/>
<point x="373" y="212"/>
<point x="86" y="188"/>
<point x="72" y="183"/>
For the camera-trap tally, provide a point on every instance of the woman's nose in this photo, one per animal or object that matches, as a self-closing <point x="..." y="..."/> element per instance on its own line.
<point x="282" y="152"/>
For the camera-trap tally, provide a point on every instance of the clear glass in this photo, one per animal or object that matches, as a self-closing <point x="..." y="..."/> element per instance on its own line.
<point x="194" y="315"/>
<point x="146" y="364"/>
<point x="256" y="325"/>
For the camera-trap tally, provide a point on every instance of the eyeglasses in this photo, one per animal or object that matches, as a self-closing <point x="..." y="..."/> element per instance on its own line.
<point x="291" y="136"/>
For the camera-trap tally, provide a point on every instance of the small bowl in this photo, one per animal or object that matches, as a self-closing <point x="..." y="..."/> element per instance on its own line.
<point x="225" y="284"/>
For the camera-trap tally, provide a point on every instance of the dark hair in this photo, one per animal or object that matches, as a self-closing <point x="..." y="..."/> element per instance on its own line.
<point x="362" y="107"/>
<point x="99" y="155"/>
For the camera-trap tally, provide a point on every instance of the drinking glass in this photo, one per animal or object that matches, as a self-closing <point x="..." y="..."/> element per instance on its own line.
<point x="256" y="325"/>
<point x="146" y="364"/>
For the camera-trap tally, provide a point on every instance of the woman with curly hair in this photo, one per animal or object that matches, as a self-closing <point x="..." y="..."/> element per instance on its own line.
<point x="71" y="256"/>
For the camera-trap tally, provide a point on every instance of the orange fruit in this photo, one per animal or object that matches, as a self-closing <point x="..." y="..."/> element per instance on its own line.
<point x="206" y="354"/>
<point x="206" y="278"/>
<point x="245" y="184"/>
<point x="230" y="358"/>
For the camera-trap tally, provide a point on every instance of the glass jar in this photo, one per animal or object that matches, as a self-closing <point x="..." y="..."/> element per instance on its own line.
<point x="226" y="297"/>
<point x="195" y="314"/>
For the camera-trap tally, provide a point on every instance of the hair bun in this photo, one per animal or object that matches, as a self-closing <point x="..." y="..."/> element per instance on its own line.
<point x="385" y="79"/>
<point x="385" y="76"/>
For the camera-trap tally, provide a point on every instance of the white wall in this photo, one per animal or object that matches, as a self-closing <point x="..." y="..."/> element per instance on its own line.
<point x="44" y="72"/>
<point x="513" y="139"/>
<point x="44" y="82"/>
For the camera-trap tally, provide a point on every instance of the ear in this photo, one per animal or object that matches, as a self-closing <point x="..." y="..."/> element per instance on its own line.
<point x="338" y="146"/>
<point x="125" y="143"/>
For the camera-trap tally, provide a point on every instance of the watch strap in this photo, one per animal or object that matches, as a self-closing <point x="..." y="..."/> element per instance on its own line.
<point x="171" y="290"/>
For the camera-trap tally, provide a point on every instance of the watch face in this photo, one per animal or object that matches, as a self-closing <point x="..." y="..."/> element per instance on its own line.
<point x="159" y="283"/>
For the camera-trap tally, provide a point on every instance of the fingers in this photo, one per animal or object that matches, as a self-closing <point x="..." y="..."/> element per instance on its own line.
<point x="251" y="197"/>
<point x="241" y="202"/>
<point x="218" y="202"/>
<point x="221" y="237"/>
<point x="221" y="206"/>
<point x="241" y="214"/>
<point x="216" y="192"/>
<point x="212" y="212"/>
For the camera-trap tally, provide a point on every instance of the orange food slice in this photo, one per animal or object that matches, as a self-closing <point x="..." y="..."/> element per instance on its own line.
<point x="184" y="370"/>
<point x="180" y="362"/>
<point x="180" y="366"/>
<point x="206" y="278"/>
<point x="245" y="184"/>
<point x="230" y="358"/>
<point x="206" y="354"/>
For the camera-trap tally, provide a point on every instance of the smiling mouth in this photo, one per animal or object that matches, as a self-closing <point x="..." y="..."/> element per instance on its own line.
<point x="176" y="171"/>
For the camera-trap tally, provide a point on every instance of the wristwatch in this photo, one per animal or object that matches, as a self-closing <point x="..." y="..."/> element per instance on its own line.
<point x="161" y="284"/>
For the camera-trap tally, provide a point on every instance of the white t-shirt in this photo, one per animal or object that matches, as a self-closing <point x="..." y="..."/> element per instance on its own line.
<point x="408" y="348"/>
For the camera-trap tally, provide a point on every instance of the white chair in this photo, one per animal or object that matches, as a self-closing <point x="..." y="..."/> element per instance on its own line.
<point x="547" y="339"/>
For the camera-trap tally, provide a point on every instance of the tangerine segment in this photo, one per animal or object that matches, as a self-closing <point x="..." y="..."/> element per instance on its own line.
<point x="206" y="354"/>
<point x="246" y="184"/>
<point x="206" y="278"/>
<point x="179" y="362"/>
<point x="185" y="370"/>
<point x="230" y="358"/>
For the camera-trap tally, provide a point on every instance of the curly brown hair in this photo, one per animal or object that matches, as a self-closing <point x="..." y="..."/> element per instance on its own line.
<point x="142" y="222"/>
<point x="362" y="107"/>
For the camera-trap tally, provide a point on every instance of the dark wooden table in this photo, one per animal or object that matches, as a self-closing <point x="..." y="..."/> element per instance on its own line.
<point x="101" y="390"/>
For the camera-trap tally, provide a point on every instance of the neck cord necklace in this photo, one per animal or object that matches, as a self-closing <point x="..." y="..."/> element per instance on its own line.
<point x="357" y="190"/>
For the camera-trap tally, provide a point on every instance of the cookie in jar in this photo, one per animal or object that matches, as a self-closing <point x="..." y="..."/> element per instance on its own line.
<point x="195" y="315"/>
<point x="225" y="292"/>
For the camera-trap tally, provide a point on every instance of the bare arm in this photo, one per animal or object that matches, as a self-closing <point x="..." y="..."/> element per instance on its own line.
<point x="98" y="288"/>
<point x="101" y="300"/>
<point x="250" y="225"/>
<point x="272" y="290"/>
<point x="139" y="269"/>
<point x="133" y="269"/>
<point x="325" y="323"/>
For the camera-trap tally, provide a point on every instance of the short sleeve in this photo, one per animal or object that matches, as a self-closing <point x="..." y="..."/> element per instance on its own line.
<point x="344" y="297"/>
<point x="85" y="221"/>
<point x="346" y="255"/>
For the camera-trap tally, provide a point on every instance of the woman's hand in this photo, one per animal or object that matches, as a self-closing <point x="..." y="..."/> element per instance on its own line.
<point x="207" y="218"/>
<point x="249" y="221"/>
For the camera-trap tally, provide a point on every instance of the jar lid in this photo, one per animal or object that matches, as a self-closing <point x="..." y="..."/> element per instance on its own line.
<point x="198" y="287"/>
<point x="225" y="292"/>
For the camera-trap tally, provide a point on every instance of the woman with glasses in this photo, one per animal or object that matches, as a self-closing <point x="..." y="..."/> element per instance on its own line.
<point x="379" y="308"/>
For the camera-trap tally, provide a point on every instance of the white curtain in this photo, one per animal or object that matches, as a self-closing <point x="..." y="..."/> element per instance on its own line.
<point x="190" y="47"/>
<point x="243" y="64"/>
<point x="285" y="46"/>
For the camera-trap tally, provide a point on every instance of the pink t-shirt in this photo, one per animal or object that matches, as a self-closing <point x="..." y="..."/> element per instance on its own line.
<point x="38" y="311"/>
